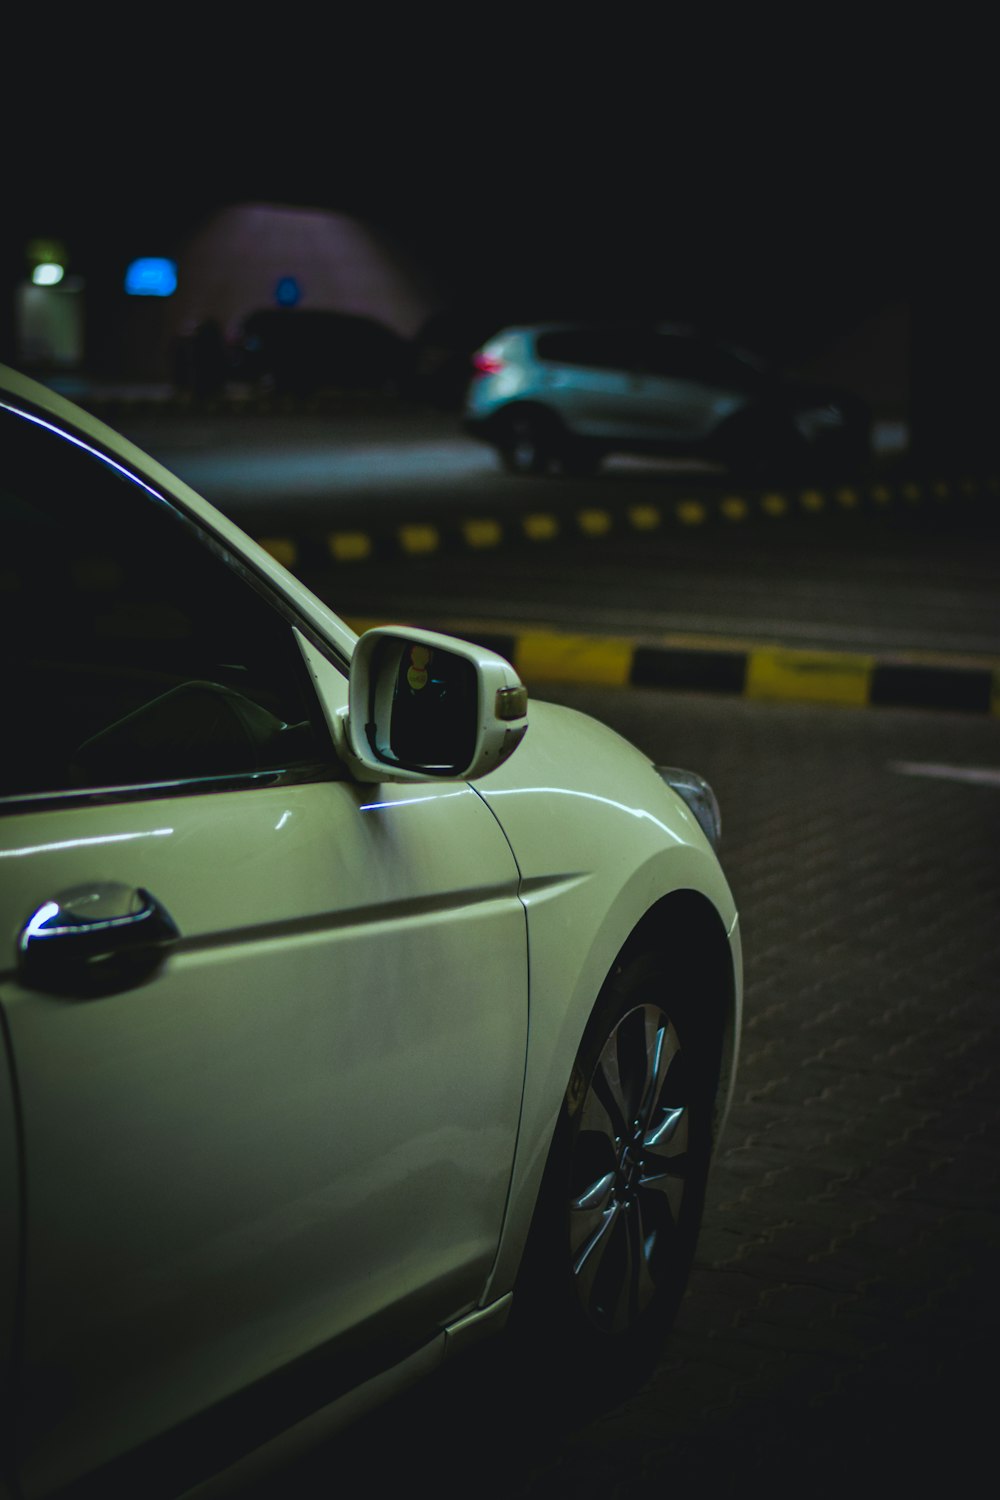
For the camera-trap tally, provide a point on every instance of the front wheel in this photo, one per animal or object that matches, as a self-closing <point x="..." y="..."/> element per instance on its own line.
<point x="621" y="1201"/>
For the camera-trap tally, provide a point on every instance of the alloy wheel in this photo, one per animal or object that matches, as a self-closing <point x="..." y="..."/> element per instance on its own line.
<point x="629" y="1169"/>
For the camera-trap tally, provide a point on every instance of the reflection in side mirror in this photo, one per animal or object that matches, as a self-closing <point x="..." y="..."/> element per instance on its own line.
<point x="431" y="707"/>
<point x="424" y="706"/>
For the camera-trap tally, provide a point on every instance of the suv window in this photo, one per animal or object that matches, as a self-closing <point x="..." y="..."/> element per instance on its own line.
<point x="709" y="364"/>
<point x="132" y="654"/>
<point x="598" y="348"/>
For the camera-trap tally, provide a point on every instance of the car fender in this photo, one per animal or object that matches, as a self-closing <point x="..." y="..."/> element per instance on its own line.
<point x="624" y="842"/>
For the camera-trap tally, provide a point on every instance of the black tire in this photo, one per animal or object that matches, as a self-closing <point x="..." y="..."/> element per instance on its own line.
<point x="621" y="1201"/>
<point x="526" y="442"/>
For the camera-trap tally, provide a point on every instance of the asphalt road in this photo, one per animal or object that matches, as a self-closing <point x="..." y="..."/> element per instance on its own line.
<point x="845" y="584"/>
<point x="889" y="567"/>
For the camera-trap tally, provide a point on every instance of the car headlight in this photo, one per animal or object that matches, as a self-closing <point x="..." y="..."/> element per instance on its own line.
<point x="700" y="798"/>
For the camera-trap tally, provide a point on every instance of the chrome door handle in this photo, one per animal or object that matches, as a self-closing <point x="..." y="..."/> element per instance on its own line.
<point x="94" y="939"/>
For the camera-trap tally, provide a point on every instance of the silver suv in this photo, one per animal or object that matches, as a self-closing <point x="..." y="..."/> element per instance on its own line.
<point x="561" y="396"/>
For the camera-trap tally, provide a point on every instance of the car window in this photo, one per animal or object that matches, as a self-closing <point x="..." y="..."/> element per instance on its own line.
<point x="132" y="653"/>
<point x="597" y="348"/>
<point x="705" y="363"/>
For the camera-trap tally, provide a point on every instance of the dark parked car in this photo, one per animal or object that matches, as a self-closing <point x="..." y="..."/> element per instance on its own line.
<point x="564" y="396"/>
<point x="441" y="355"/>
<point x="296" y="351"/>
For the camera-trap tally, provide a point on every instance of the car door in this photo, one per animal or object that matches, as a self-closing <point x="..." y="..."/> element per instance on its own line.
<point x="595" y="379"/>
<point x="265" y="1026"/>
<point x="690" y="389"/>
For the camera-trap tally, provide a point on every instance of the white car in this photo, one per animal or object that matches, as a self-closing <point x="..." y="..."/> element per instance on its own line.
<point x="341" y="1018"/>
<point x="565" y="396"/>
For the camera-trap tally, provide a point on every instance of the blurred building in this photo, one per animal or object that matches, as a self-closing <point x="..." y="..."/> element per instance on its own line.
<point x="258" y="255"/>
<point x="242" y="259"/>
<point x="48" y="323"/>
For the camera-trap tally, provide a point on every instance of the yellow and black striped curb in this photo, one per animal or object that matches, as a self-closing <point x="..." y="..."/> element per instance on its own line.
<point x="417" y="538"/>
<point x="766" y="673"/>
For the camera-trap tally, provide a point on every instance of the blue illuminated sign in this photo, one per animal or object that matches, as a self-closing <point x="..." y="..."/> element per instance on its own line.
<point x="287" y="293"/>
<point x="151" y="276"/>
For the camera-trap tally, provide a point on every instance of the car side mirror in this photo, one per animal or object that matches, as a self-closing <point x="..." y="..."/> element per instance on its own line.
<point x="424" y="706"/>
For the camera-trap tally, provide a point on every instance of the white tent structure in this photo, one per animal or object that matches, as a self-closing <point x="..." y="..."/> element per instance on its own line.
<point x="234" y="263"/>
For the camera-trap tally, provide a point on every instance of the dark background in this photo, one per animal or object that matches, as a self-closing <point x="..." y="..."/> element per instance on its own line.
<point x="774" y="186"/>
<point x="783" y="257"/>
